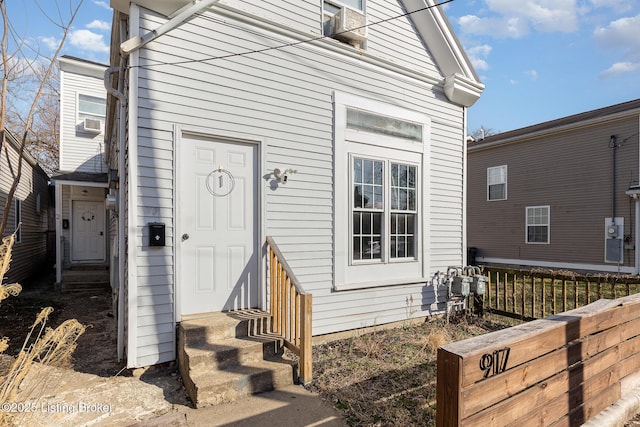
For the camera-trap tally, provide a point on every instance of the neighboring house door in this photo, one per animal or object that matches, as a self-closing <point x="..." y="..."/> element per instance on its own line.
<point x="218" y="229"/>
<point x="87" y="231"/>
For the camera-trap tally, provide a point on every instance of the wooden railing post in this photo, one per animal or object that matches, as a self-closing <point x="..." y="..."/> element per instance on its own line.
<point x="305" y="339"/>
<point x="291" y="310"/>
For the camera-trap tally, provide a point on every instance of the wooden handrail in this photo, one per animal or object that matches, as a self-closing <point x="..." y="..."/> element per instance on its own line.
<point x="290" y="308"/>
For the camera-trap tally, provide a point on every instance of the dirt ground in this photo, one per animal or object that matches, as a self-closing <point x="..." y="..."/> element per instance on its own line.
<point x="96" y="352"/>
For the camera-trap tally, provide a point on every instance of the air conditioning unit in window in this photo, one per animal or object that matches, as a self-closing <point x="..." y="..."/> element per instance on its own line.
<point x="92" y="125"/>
<point x="350" y="24"/>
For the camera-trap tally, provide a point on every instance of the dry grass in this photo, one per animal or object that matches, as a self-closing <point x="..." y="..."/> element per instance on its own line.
<point x="388" y="377"/>
<point x="44" y="345"/>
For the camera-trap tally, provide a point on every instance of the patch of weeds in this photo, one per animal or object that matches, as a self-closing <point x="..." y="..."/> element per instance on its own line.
<point x="388" y="377"/>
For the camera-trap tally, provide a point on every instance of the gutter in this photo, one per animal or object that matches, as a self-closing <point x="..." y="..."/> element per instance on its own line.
<point x="137" y="42"/>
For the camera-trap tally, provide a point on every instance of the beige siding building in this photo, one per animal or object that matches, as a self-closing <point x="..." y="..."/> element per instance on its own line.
<point x="555" y="194"/>
<point x="28" y="216"/>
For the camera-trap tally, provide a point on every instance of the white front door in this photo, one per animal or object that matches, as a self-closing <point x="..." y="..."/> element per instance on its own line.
<point x="87" y="231"/>
<point x="217" y="239"/>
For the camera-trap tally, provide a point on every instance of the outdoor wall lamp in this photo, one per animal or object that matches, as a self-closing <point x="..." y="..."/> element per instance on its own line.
<point x="283" y="176"/>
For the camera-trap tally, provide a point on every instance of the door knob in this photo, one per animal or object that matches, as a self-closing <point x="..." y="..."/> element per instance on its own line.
<point x="185" y="236"/>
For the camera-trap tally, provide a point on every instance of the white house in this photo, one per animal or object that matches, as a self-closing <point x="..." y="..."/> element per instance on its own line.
<point x="229" y="121"/>
<point x="81" y="182"/>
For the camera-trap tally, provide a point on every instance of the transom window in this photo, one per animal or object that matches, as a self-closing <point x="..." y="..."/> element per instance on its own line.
<point x="384" y="125"/>
<point x="91" y="107"/>
<point x="384" y="210"/>
<point x="538" y="224"/>
<point x="497" y="183"/>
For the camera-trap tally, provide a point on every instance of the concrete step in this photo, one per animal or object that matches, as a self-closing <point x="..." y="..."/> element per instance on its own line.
<point x="229" y="352"/>
<point x="215" y="387"/>
<point x="83" y="287"/>
<point x="228" y="325"/>
<point x="228" y="355"/>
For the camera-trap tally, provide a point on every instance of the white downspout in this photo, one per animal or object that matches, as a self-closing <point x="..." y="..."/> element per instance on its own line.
<point x="136" y="42"/>
<point x="121" y="183"/>
<point x="464" y="185"/>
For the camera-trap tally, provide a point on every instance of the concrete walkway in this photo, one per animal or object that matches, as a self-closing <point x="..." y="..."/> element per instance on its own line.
<point x="66" y="398"/>
<point x="292" y="406"/>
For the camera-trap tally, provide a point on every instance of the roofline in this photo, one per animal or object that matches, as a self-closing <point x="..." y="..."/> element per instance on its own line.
<point x="588" y="118"/>
<point x="81" y="66"/>
<point x="15" y="144"/>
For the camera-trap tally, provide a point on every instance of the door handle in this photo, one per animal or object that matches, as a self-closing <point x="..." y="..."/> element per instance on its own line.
<point x="185" y="236"/>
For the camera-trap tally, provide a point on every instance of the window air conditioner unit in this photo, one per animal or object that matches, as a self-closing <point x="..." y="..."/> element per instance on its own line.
<point x="92" y="125"/>
<point x="350" y="24"/>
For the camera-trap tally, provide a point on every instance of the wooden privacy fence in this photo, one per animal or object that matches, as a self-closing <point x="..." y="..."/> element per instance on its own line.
<point x="558" y="371"/>
<point x="534" y="294"/>
<point x="290" y="308"/>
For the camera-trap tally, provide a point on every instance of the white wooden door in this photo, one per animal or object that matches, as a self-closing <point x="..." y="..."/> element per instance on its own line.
<point x="87" y="231"/>
<point x="217" y="239"/>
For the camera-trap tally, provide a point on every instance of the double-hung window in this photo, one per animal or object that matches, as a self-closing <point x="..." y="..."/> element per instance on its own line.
<point x="91" y="107"/>
<point x="380" y="197"/>
<point x="538" y="224"/>
<point x="497" y="183"/>
<point x="384" y="210"/>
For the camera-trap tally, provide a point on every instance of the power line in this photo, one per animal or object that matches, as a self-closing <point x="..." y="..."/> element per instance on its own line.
<point x="285" y="45"/>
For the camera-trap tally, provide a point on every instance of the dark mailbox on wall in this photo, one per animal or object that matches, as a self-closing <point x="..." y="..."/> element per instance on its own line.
<point x="156" y="234"/>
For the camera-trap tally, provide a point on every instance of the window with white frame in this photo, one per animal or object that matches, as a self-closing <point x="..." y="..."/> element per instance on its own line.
<point x="384" y="210"/>
<point x="497" y="183"/>
<point x="91" y="107"/>
<point x="538" y="224"/>
<point x="380" y="213"/>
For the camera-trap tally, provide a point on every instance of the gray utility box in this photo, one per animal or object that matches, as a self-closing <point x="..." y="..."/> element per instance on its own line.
<point x="478" y="281"/>
<point x="459" y="283"/>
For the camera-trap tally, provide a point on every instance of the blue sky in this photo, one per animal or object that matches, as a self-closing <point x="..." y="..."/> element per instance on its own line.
<point x="545" y="59"/>
<point x="539" y="59"/>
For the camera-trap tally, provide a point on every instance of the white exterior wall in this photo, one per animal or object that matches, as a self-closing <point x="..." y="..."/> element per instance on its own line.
<point x="79" y="150"/>
<point x="284" y="98"/>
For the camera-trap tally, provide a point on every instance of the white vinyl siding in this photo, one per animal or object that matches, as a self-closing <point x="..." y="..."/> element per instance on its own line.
<point x="282" y="100"/>
<point x="80" y="97"/>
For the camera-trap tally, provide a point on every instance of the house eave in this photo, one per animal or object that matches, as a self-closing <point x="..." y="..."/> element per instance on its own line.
<point x="164" y="7"/>
<point x="461" y="90"/>
<point x="436" y="32"/>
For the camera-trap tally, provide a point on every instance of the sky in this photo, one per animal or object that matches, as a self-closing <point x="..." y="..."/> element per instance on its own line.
<point x="539" y="59"/>
<point x="542" y="60"/>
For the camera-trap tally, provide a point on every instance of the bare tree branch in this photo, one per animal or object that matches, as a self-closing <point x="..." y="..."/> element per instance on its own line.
<point x="17" y="173"/>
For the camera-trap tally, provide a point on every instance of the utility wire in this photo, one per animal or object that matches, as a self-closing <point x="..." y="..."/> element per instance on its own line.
<point x="285" y="45"/>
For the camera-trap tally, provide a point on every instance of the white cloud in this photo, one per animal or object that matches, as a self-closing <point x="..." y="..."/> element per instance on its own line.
<point x="51" y="42"/>
<point x="99" y="25"/>
<point x="620" y="34"/>
<point x="621" y="68"/>
<point x="533" y="74"/>
<point x="478" y="56"/>
<point x="102" y="4"/>
<point x="88" y="41"/>
<point x="515" y="19"/>
<point x="497" y="27"/>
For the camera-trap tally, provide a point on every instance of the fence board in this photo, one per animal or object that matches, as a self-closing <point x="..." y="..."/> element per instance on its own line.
<point x="553" y="365"/>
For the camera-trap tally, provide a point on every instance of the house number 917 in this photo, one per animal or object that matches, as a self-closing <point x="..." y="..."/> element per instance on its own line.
<point x="494" y="363"/>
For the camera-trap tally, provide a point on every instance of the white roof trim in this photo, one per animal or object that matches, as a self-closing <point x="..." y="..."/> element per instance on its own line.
<point x="462" y="85"/>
